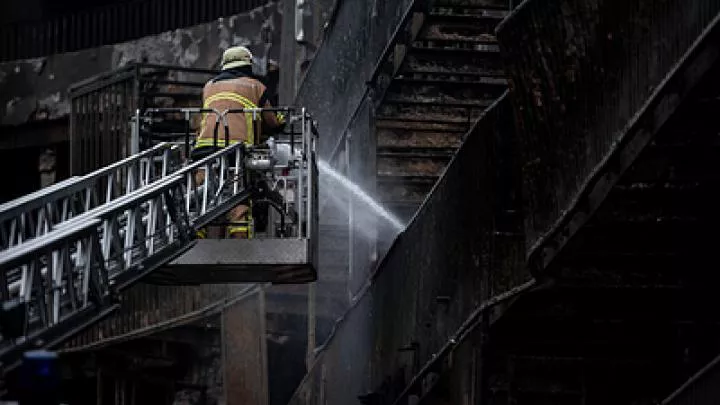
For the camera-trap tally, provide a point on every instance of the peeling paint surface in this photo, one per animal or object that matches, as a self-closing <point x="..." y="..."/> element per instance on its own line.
<point x="29" y="88"/>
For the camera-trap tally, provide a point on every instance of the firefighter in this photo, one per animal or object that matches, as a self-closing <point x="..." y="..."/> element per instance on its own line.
<point x="234" y="88"/>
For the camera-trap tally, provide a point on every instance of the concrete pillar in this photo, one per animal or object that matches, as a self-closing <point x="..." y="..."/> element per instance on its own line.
<point x="245" y="378"/>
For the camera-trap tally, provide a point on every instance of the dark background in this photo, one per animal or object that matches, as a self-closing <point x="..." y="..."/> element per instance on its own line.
<point x="13" y="11"/>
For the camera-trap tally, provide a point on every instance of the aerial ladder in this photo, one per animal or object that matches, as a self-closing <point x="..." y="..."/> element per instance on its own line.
<point x="68" y="250"/>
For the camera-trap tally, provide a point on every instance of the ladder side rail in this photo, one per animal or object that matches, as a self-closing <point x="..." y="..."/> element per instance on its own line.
<point x="27" y="198"/>
<point x="73" y="183"/>
<point x="33" y="218"/>
<point x="222" y="187"/>
<point x="63" y="296"/>
<point x="145" y="231"/>
<point x="118" y="219"/>
<point x="55" y="277"/>
<point x="81" y="264"/>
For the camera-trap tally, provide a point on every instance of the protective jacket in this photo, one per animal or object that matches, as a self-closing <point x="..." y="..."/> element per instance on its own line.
<point x="235" y="89"/>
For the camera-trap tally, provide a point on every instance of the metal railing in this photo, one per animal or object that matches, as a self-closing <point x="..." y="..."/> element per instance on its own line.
<point x="103" y="108"/>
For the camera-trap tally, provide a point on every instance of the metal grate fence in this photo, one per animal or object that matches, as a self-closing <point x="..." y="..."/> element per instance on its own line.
<point x="103" y="107"/>
<point x="111" y="24"/>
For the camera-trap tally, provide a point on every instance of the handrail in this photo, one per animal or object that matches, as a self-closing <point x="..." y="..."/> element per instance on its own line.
<point x="692" y="381"/>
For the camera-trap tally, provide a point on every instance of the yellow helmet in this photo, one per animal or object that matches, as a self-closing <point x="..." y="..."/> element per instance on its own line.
<point x="236" y="56"/>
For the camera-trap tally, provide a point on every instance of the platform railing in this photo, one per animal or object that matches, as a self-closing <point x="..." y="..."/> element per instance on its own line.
<point x="286" y="161"/>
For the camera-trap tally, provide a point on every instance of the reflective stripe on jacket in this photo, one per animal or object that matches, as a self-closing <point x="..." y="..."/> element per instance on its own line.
<point x="236" y="93"/>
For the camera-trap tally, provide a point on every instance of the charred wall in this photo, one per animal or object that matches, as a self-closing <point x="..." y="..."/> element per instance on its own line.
<point x="452" y="257"/>
<point x="579" y="73"/>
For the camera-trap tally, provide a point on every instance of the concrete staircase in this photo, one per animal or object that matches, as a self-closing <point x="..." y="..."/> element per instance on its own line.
<point x="451" y="72"/>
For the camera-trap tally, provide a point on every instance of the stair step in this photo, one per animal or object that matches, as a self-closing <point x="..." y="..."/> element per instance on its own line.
<point x="482" y="12"/>
<point x="454" y="49"/>
<point x="401" y="124"/>
<point x="407" y="179"/>
<point x="409" y="120"/>
<point x="459" y="98"/>
<point x="476" y="29"/>
<point x="402" y="138"/>
<point x="412" y="166"/>
<point x="493" y="84"/>
<point x="401" y="190"/>
<point x="485" y="4"/>
<point x="441" y="100"/>
<point x="439" y="76"/>
<point x="415" y="153"/>
<point x="421" y="60"/>
<point x="442" y="113"/>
